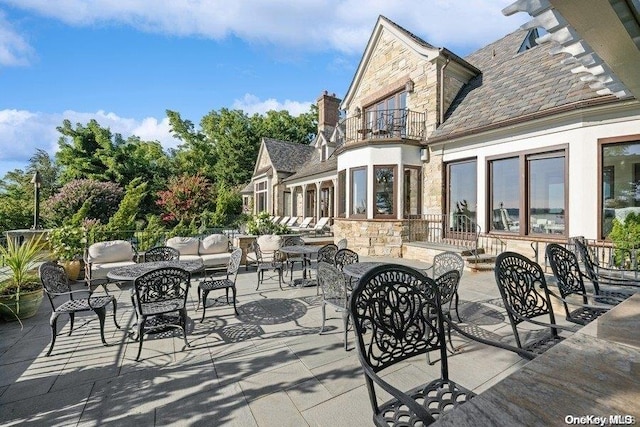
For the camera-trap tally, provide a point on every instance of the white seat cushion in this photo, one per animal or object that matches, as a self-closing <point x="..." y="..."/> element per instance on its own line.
<point x="214" y="244"/>
<point x="100" y="270"/>
<point x="110" y="251"/>
<point x="214" y="260"/>
<point x="184" y="245"/>
<point x="190" y="257"/>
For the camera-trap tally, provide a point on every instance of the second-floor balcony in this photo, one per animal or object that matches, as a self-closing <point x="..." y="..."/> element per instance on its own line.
<point x="401" y="124"/>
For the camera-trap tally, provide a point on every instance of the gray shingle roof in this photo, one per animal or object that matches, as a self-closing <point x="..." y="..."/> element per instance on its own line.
<point x="314" y="166"/>
<point x="287" y="156"/>
<point x="512" y="85"/>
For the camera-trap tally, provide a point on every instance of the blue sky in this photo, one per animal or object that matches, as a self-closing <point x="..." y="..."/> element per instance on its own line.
<point x="124" y="63"/>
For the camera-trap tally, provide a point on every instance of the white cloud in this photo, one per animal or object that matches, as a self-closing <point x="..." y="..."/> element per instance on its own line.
<point x="251" y="104"/>
<point x="343" y="25"/>
<point x="22" y="132"/>
<point x="14" y="49"/>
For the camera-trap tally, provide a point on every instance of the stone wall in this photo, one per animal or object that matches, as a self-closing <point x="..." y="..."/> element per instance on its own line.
<point x="432" y="185"/>
<point x="372" y="237"/>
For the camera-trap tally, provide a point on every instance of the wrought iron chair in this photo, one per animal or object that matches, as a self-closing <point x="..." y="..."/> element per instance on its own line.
<point x="342" y="244"/>
<point x="566" y="270"/>
<point x="229" y="282"/>
<point x="392" y="309"/>
<point x="161" y="253"/>
<point x="64" y="301"/>
<point x="607" y="282"/>
<point x="334" y="293"/>
<point x="291" y="259"/>
<point x="344" y="257"/>
<point x="327" y="254"/>
<point x="444" y="262"/>
<point x="271" y="263"/>
<point x="447" y="285"/>
<point x="518" y="278"/>
<point x="160" y="298"/>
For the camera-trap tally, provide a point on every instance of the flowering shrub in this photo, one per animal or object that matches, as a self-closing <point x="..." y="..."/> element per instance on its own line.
<point x="104" y="199"/>
<point x="185" y="198"/>
<point x="261" y="224"/>
<point x="67" y="242"/>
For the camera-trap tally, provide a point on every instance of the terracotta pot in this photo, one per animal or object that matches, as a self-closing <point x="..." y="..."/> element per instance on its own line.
<point x="72" y="268"/>
<point x="26" y="306"/>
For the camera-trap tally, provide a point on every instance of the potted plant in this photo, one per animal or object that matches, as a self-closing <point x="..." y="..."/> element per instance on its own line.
<point x="67" y="244"/>
<point x="20" y="288"/>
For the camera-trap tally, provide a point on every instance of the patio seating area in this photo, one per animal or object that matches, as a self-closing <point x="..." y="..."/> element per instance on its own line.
<point x="266" y="366"/>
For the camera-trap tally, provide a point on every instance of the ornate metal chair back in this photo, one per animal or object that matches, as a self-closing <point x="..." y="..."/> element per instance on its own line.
<point x="234" y="263"/>
<point x="344" y="257"/>
<point x="293" y="241"/>
<point x="447" y="261"/>
<point x="519" y="280"/>
<point x="331" y="281"/>
<point x="54" y="280"/>
<point x="162" y="253"/>
<point x="327" y="254"/>
<point x="342" y="244"/>
<point x="162" y="291"/>
<point x="447" y="284"/>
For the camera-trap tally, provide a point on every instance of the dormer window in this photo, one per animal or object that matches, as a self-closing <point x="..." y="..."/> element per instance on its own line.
<point x="530" y="39"/>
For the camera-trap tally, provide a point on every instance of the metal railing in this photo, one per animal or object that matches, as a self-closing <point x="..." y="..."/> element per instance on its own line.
<point x="384" y="124"/>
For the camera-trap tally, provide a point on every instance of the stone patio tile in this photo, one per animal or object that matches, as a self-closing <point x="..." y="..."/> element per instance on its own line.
<point x="340" y="376"/>
<point x="317" y="350"/>
<point x="277" y="379"/>
<point x="308" y="394"/>
<point x="221" y="406"/>
<point x="25" y="349"/>
<point x="276" y="410"/>
<point x="50" y="409"/>
<point x="349" y="409"/>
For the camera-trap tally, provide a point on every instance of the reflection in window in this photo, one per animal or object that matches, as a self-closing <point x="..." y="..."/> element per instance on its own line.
<point x="462" y="196"/>
<point x="546" y="195"/>
<point x="505" y="195"/>
<point x="620" y="182"/>
<point x="359" y="192"/>
<point x="384" y="190"/>
<point x="411" y="192"/>
<point x="286" y="200"/>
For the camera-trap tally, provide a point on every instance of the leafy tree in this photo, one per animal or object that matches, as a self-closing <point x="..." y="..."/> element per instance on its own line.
<point x="196" y="155"/>
<point x="185" y="198"/>
<point x="84" y="150"/>
<point x="282" y="125"/>
<point x="104" y="199"/>
<point x="125" y="217"/>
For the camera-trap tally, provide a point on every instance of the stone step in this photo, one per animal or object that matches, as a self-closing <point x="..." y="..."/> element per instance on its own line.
<point x="483" y="262"/>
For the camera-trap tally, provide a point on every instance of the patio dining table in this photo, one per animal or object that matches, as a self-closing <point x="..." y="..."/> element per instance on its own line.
<point x="133" y="271"/>
<point x="592" y="375"/>
<point x="306" y="251"/>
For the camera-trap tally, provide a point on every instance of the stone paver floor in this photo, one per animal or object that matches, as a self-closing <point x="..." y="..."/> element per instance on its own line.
<point x="268" y="366"/>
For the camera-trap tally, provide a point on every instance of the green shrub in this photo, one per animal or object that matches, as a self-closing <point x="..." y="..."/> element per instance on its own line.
<point x="261" y="224"/>
<point x="626" y="238"/>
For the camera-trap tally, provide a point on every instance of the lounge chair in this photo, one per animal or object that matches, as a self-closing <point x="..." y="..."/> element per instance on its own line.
<point x="284" y="220"/>
<point x="292" y="221"/>
<point x="304" y="225"/>
<point x="321" y="226"/>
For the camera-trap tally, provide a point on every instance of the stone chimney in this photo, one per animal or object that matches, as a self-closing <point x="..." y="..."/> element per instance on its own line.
<point x="328" y="111"/>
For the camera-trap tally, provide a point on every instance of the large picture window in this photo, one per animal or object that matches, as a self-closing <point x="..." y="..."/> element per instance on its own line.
<point x="342" y="194"/>
<point x="411" y="192"/>
<point x="358" y="193"/>
<point x="384" y="191"/>
<point x="462" y="197"/>
<point x="620" y="182"/>
<point x="527" y="193"/>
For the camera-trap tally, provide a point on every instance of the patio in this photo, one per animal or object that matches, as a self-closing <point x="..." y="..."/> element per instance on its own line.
<point x="268" y="366"/>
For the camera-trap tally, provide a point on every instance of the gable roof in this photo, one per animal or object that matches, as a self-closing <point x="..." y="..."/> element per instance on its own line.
<point x="315" y="166"/>
<point x="414" y="42"/>
<point x="286" y="156"/>
<point x="514" y="87"/>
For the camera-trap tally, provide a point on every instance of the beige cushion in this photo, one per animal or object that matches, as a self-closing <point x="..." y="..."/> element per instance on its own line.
<point x="269" y="243"/>
<point x="211" y="260"/>
<point x="99" y="271"/>
<point x="184" y="245"/>
<point x="190" y="257"/>
<point x="111" y="251"/>
<point x="214" y="244"/>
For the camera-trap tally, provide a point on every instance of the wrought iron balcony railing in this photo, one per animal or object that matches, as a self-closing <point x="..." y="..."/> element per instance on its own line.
<point x="384" y="124"/>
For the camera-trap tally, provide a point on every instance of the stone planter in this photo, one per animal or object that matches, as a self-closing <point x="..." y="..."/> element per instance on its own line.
<point x="72" y="268"/>
<point x="27" y="306"/>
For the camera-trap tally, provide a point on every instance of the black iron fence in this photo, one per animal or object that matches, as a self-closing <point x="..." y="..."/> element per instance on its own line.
<point x="385" y="124"/>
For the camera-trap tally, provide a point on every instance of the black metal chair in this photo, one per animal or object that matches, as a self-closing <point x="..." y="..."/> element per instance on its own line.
<point x="271" y="263"/>
<point x="327" y="254"/>
<point x="342" y="244"/>
<point x="161" y="253"/>
<point x="396" y="314"/>
<point x="64" y="301"/>
<point x="344" y="257"/>
<point x="566" y="270"/>
<point x="229" y="282"/>
<point x="160" y="298"/>
<point x="334" y="293"/>
<point x="519" y="280"/>
<point x="444" y="262"/>
<point x="613" y="284"/>
<point x="291" y="259"/>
